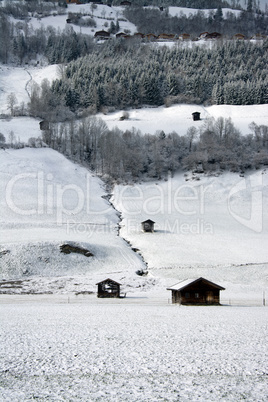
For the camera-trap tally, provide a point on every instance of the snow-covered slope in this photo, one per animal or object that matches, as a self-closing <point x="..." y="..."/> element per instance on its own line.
<point x="214" y="227"/>
<point x="148" y="119"/>
<point x="178" y="118"/>
<point x="47" y="201"/>
<point x="210" y="226"/>
<point x="103" y="16"/>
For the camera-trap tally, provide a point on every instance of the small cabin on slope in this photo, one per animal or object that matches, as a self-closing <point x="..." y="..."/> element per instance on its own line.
<point x="44" y="125"/>
<point x="148" y="225"/>
<point x="108" y="288"/>
<point x="196" y="292"/>
<point x="196" y="116"/>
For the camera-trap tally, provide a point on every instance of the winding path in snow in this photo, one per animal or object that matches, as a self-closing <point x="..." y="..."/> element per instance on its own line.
<point x="28" y="83"/>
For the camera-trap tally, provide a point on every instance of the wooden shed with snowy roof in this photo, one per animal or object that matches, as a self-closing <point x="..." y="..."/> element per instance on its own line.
<point x="108" y="288"/>
<point x="196" y="292"/>
<point x="148" y="225"/>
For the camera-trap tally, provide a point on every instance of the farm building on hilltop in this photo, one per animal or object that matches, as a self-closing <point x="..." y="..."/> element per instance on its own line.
<point x="196" y="292"/>
<point x="148" y="225"/>
<point x="108" y="288"/>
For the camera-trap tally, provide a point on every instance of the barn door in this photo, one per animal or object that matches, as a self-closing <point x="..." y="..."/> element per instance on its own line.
<point x="209" y="297"/>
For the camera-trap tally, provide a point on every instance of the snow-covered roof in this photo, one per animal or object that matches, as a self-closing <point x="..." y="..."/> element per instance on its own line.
<point x="108" y="280"/>
<point x="183" y="284"/>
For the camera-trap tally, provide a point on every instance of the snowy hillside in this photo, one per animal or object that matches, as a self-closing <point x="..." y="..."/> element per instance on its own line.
<point x="209" y="226"/>
<point x="62" y="230"/>
<point x="102" y="14"/>
<point x="33" y="234"/>
<point x="176" y="118"/>
<point x="47" y="201"/>
<point x="214" y="227"/>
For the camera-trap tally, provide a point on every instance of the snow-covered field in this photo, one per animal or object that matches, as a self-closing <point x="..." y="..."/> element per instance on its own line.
<point x="178" y="118"/>
<point x="88" y="350"/>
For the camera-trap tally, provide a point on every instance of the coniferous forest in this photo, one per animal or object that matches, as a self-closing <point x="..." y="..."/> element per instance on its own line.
<point x="123" y="76"/>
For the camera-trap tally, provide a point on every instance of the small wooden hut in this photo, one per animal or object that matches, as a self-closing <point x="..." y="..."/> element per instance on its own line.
<point x="44" y="125"/>
<point x="108" y="288"/>
<point x="196" y="116"/>
<point x="196" y="292"/>
<point x="148" y="225"/>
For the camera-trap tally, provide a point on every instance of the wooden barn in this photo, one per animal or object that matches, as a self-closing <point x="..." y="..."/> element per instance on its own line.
<point x="196" y="116"/>
<point x="108" y="288"/>
<point x="148" y="225"/>
<point x="196" y="292"/>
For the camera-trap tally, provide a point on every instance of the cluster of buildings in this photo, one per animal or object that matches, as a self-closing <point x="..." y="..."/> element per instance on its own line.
<point x="172" y="37"/>
<point x="199" y="291"/>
